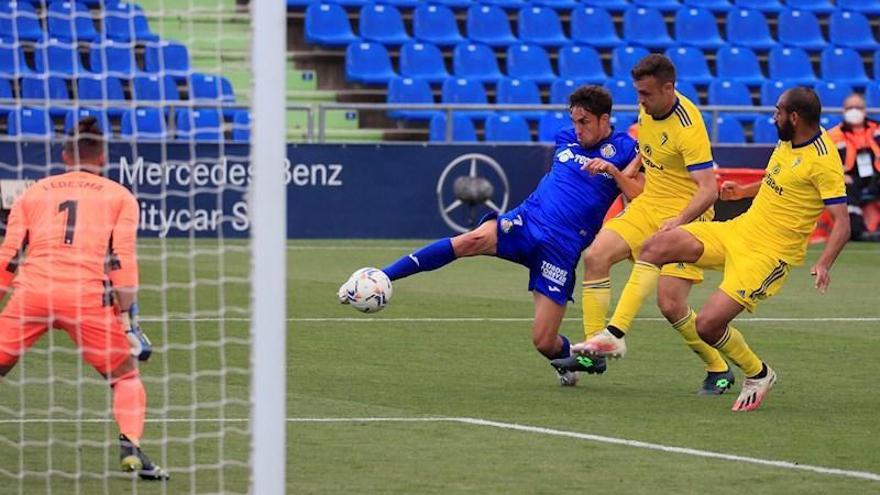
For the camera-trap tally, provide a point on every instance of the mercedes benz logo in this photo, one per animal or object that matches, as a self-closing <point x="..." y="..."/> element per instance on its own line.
<point x="470" y="181"/>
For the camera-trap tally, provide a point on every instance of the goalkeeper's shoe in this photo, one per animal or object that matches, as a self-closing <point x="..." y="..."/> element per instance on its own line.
<point x="133" y="460"/>
<point x="716" y="383"/>
<point x="579" y="363"/>
<point x="754" y="390"/>
<point x="603" y="344"/>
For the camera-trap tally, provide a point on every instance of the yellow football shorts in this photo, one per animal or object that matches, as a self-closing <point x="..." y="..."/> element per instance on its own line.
<point x="749" y="276"/>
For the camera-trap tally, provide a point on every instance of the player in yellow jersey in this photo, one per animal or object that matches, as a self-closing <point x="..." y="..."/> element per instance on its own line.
<point x="804" y="176"/>
<point x="679" y="188"/>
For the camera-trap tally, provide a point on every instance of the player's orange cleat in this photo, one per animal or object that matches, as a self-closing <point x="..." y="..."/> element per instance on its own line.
<point x="753" y="391"/>
<point x="602" y="344"/>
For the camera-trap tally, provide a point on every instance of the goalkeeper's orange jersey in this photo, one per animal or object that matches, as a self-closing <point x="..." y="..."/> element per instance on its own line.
<point x="71" y="236"/>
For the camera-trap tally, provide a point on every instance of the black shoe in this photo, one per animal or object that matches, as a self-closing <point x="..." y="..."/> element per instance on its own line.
<point x="716" y="383"/>
<point x="133" y="459"/>
<point x="578" y="362"/>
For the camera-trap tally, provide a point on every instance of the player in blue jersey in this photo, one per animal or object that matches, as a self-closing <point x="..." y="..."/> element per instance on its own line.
<point x="549" y="230"/>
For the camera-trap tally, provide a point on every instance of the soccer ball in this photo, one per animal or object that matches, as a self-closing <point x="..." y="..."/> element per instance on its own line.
<point x="368" y="290"/>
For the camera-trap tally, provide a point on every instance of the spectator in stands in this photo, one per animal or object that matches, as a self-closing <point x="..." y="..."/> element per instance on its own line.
<point x="858" y="140"/>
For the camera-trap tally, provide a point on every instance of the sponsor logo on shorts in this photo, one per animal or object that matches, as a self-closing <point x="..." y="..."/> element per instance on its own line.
<point x="608" y="150"/>
<point x="553" y="273"/>
<point x="553" y="288"/>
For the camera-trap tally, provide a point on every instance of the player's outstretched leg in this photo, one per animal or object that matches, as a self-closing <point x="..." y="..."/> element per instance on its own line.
<point x="129" y="409"/>
<point x="549" y="342"/>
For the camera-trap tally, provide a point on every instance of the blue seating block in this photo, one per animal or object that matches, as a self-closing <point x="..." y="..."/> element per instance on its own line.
<point x="436" y="24"/>
<point x="326" y="23"/>
<point x="507" y="128"/>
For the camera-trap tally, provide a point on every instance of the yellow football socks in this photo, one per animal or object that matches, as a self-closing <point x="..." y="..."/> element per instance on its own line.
<point x="642" y="281"/>
<point x="687" y="327"/>
<point x="733" y="345"/>
<point x="596" y="298"/>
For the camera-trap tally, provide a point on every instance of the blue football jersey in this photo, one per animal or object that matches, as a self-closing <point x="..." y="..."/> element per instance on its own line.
<point x="571" y="203"/>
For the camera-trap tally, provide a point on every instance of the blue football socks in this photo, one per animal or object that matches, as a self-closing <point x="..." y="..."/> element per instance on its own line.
<point x="430" y="257"/>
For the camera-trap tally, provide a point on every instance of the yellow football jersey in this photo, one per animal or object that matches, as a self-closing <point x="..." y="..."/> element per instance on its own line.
<point x="798" y="182"/>
<point x="671" y="147"/>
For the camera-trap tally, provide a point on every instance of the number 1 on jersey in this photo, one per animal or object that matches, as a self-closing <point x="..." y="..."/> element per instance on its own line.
<point x="70" y="206"/>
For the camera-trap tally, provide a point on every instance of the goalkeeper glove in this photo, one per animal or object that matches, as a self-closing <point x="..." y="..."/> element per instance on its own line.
<point x="140" y="344"/>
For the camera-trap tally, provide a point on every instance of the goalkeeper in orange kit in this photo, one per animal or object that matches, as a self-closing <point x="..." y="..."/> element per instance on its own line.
<point x="69" y="256"/>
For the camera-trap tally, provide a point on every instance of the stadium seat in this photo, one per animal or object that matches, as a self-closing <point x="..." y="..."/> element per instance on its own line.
<point x="872" y="97"/>
<point x="475" y="61"/>
<point x="540" y="26"/>
<point x="99" y="90"/>
<point x="749" y="28"/>
<point x="593" y="26"/>
<point x="326" y="23"/>
<point x="729" y="131"/>
<point x="688" y="90"/>
<point x="623" y="59"/>
<point x="762" y="5"/>
<point x="403" y="3"/>
<point x="814" y="6"/>
<point x="507" y="128"/>
<point x="690" y="64"/>
<point x="710" y="5"/>
<point x="771" y="91"/>
<point x="198" y="124"/>
<point x="20" y="21"/>
<point x="697" y="27"/>
<point x="764" y="130"/>
<point x="529" y="62"/>
<point x="800" y="28"/>
<point x="739" y="64"/>
<point x="40" y="87"/>
<point x="550" y="124"/>
<point x="422" y="60"/>
<point x="512" y="91"/>
<point x="58" y="58"/>
<point x="12" y="61"/>
<point x="662" y="5"/>
<point x="561" y="89"/>
<point x="113" y="58"/>
<point x="863" y="6"/>
<point x="5" y="89"/>
<point x="127" y="22"/>
<point x="368" y="63"/>
<point x="622" y="91"/>
<point x="167" y="57"/>
<point x="241" y="126"/>
<point x="143" y="123"/>
<point x="413" y="91"/>
<point x="507" y="4"/>
<point x="843" y="65"/>
<point x="488" y="24"/>
<point x="462" y="129"/>
<point x="74" y="116"/>
<point x="455" y="4"/>
<point x="154" y="87"/>
<point x="610" y="5"/>
<point x="731" y="93"/>
<point x="622" y="121"/>
<point x="436" y="24"/>
<point x="382" y="23"/>
<point x="645" y="27"/>
<point x="70" y="21"/>
<point x="832" y="94"/>
<point x="558" y="4"/>
<point x="876" y="60"/>
<point x="465" y="91"/>
<point x="829" y="121"/>
<point x="791" y="65"/>
<point x="29" y="122"/>
<point x="582" y="63"/>
<point x="210" y="88"/>
<point x="851" y="30"/>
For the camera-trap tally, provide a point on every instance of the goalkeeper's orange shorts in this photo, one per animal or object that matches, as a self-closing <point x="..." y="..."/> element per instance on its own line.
<point x="97" y="331"/>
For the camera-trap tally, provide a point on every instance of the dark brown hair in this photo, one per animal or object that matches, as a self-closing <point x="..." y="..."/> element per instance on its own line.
<point x="654" y="65"/>
<point x="85" y="142"/>
<point x="594" y="99"/>
<point x="805" y="102"/>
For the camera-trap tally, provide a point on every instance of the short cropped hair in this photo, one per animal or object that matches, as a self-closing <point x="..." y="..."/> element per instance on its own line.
<point x="594" y="99"/>
<point x="805" y="102"/>
<point x="654" y="65"/>
<point x="85" y="142"/>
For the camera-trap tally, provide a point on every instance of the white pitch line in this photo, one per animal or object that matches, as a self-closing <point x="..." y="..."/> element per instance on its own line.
<point x="500" y="320"/>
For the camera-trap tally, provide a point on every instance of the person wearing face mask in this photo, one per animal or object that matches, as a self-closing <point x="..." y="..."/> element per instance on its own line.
<point x="858" y="141"/>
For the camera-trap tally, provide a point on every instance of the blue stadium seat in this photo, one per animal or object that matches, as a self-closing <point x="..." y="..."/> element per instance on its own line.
<point x="800" y="28"/>
<point x="241" y="126"/>
<point x="610" y="5"/>
<point x="143" y="123"/>
<point x="436" y="24"/>
<point x="413" y="91"/>
<point x="475" y="61"/>
<point x="877" y="65"/>
<point x="863" y="6"/>
<point x="662" y="5"/>
<point x="127" y="22"/>
<point x="113" y="58"/>
<point x="529" y="62"/>
<point x="791" y="65"/>
<point x="20" y="21"/>
<point x="731" y="93"/>
<point x="154" y="87"/>
<point x="690" y="64"/>
<point x="646" y="27"/>
<point x="622" y="91"/>
<point x="581" y="62"/>
<point x="764" y="130"/>
<point x="843" y="65"/>
<point x="697" y="27"/>
<point x="622" y="121"/>
<point x="710" y="5"/>
<point x="561" y="89"/>
<point x="422" y="60"/>
<point x="99" y="90"/>
<point x="815" y="6"/>
<point x="465" y="91"/>
<point x="71" y="21"/>
<point x="382" y="23"/>
<point x="513" y="91"/>
<point x="593" y="26"/>
<point x="29" y="122"/>
<point x="729" y="131"/>
<point x="540" y="26"/>
<point x="368" y="63"/>
<point x="5" y="89"/>
<point x="488" y="24"/>
<point x="624" y="58"/>
<point x="688" y="90"/>
<point x="749" y="28"/>
<point x="403" y="3"/>
<point x="507" y="128"/>
<point x="507" y="4"/>
<point x="739" y="64"/>
<point x="326" y="23"/>
<point x="829" y="121"/>
<point x="762" y="5"/>
<point x="167" y="57"/>
<point x="58" y="58"/>
<point x="872" y="97"/>
<point x="851" y="30"/>
<point x="40" y="87"/>
<point x="462" y="129"/>
<point x="74" y="116"/>
<point x="198" y="124"/>
<point x="210" y="88"/>
<point x="12" y="61"/>
<point x="455" y="4"/>
<point x="558" y="4"/>
<point x="771" y="91"/>
<point x="832" y="94"/>
<point x="550" y="124"/>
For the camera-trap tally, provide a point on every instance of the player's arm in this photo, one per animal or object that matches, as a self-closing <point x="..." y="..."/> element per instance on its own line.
<point x="124" y="276"/>
<point x="836" y="240"/>
<point x="732" y="190"/>
<point x="13" y="246"/>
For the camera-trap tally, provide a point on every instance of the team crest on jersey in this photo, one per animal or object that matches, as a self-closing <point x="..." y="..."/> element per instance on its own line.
<point x="647" y="149"/>
<point x="776" y="170"/>
<point x="663" y="138"/>
<point x="608" y="150"/>
<point x="507" y="224"/>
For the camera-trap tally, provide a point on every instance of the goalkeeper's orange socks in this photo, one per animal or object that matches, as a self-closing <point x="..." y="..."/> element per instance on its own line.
<point x="130" y="405"/>
<point x="642" y="282"/>
<point x="430" y="257"/>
